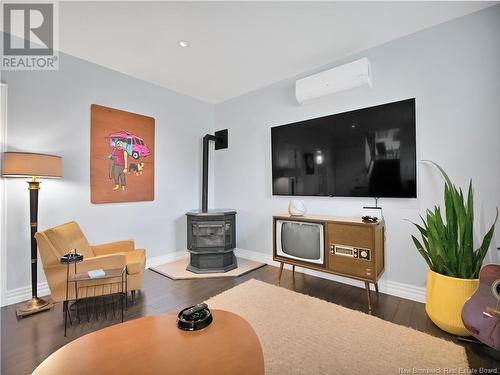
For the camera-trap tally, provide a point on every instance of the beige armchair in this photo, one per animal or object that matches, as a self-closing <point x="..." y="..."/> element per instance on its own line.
<point x="55" y="242"/>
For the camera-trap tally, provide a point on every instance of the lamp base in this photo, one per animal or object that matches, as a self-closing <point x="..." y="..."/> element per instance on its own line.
<point x="33" y="306"/>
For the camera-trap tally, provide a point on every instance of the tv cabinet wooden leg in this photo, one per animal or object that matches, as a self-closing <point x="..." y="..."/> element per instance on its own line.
<point x="376" y="288"/>
<point x="281" y="271"/>
<point x="367" y="287"/>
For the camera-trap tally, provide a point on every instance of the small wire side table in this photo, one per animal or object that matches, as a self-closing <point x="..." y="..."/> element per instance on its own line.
<point x="114" y="282"/>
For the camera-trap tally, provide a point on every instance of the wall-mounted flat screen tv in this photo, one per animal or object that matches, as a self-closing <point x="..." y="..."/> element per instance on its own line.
<point x="370" y="152"/>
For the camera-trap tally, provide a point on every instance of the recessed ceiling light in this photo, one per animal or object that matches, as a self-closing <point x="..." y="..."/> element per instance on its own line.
<point x="184" y="43"/>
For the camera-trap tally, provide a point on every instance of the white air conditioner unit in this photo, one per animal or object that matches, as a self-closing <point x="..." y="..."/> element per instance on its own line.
<point x="340" y="78"/>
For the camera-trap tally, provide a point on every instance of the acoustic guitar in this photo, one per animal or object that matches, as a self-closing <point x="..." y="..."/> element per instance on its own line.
<point x="481" y="313"/>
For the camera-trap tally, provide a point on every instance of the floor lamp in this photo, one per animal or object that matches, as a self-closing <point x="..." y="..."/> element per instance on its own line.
<point x="35" y="166"/>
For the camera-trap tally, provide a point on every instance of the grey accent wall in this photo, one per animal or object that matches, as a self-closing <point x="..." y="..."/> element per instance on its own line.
<point x="49" y="112"/>
<point x="453" y="71"/>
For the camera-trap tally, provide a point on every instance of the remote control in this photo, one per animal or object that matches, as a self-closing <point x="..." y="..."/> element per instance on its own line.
<point x="194" y="309"/>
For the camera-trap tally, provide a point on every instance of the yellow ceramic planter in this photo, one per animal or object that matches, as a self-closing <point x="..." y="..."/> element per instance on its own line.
<point x="445" y="298"/>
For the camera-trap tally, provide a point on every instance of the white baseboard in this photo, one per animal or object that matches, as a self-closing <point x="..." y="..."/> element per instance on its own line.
<point x="393" y="288"/>
<point x="162" y="259"/>
<point x="24" y="293"/>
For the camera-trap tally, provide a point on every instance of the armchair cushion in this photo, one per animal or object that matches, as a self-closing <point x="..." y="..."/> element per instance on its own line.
<point x="113" y="247"/>
<point x="110" y="261"/>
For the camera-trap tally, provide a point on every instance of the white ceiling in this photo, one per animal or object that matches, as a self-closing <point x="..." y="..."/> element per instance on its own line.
<point x="236" y="47"/>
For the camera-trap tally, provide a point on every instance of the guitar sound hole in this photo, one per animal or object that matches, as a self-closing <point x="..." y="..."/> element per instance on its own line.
<point x="495" y="289"/>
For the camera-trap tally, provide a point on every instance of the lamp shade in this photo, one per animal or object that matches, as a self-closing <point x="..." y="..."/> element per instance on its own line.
<point x="26" y="164"/>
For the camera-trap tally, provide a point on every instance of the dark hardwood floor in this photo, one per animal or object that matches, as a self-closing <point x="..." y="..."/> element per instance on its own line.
<point x="27" y="342"/>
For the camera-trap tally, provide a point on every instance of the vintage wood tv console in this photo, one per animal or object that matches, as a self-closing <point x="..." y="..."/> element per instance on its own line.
<point x="352" y="248"/>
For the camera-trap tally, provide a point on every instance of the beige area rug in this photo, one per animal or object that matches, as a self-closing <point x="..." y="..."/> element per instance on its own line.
<point x="305" y="335"/>
<point x="177" y="270"/>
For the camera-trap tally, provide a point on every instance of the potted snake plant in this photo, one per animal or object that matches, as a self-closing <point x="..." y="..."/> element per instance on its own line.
<point x="447" y="246"/>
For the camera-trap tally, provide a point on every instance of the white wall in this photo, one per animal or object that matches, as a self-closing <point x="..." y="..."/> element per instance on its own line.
<point x="49" y="112"/>
<point x="453" y="71"/>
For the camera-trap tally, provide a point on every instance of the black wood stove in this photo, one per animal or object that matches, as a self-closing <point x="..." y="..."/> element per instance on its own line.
<point x="211" y="234"/>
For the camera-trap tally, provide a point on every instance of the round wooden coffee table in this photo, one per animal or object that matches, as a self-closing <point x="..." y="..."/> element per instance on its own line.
<point x="154" y="345"/>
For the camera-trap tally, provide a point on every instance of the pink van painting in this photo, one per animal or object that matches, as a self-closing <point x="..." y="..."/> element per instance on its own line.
<point x="134" y="145"/>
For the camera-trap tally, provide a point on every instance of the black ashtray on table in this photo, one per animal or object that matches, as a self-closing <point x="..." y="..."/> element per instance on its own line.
<point x="194" y="317"/>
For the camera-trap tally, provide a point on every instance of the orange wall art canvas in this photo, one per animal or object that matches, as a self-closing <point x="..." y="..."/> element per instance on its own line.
<point x="121" y="156"/>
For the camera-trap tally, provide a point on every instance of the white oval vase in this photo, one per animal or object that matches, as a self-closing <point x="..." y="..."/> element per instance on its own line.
<point x="296" y="208"/>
